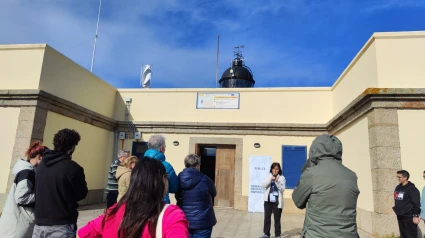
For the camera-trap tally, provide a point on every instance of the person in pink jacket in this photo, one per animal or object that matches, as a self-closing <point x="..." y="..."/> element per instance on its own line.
<point x="141" y="212"/>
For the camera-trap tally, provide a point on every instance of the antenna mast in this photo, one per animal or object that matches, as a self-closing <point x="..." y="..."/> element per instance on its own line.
<point x="216" y="66"/>
<point x="95" y="37"/>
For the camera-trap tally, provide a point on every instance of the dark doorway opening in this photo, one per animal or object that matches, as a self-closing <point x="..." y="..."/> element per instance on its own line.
<point x="208" y="158"/>
<point x="139" y="148"/>
<point x="208" y="161"/>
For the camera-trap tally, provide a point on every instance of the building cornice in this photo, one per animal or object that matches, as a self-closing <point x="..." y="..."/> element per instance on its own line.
<point x="270" y="129"/>
<point x="371" y="98"/>
<point x="50" y="102"/>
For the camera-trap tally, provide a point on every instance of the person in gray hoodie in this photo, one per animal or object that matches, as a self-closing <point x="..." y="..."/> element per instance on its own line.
<point x="17" y="219"/>
<point x="328" y="190"/>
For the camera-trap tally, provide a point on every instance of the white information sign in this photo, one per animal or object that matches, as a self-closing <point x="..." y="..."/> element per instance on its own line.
<point x="259" y="168"/>
<point x="217" y="101"/>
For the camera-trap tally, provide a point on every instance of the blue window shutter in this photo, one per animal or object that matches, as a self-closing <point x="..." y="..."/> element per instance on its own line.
<point x="293" y="159"/>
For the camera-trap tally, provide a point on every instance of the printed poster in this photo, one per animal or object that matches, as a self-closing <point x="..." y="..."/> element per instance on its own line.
<point x="259" y="168"/>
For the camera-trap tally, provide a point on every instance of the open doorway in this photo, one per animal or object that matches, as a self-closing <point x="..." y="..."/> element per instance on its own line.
<point x="208" y="154"/>
<point x="218" y="163"/>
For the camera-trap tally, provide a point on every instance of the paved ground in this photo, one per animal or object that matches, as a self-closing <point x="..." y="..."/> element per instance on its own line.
<point x="230" y="223"/>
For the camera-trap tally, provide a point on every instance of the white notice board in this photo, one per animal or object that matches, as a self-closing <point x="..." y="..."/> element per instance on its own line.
<point x="259" y="167"/>
<point x="217" y="101"/>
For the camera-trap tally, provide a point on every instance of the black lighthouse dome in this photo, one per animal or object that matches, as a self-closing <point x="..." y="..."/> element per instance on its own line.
<point x="238" y="75"/>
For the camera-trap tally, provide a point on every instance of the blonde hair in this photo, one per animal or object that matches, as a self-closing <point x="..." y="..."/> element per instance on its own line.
<point x="129" y="161"/>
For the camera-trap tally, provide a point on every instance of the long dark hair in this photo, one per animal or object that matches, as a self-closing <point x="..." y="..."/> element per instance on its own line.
<point x="143" y="200"/>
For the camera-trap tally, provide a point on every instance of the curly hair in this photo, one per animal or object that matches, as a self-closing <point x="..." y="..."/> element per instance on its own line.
<point x="65" y="139"/>
<point x="130" y="160"/>
<point x="35" y="149"/>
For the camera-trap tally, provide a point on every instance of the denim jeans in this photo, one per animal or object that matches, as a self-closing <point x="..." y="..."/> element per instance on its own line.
<point x="206" y="233"/>
<point x="57" y="231"/>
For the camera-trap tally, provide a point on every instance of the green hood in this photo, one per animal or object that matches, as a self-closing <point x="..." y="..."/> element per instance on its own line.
<point x="325" y="147"/>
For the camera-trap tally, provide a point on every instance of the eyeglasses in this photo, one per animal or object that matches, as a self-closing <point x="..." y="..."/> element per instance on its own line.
<point x="399" y="177"/>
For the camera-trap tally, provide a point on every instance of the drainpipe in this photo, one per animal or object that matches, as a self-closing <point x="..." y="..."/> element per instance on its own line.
<point x="115" y="146"/>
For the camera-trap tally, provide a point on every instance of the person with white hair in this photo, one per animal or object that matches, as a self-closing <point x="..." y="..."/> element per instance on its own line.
<point x="156" y="150"/>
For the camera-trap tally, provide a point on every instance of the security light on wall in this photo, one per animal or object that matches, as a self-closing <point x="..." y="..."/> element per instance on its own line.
<point x="176" y="143"/>
<point x="257" y="145"/>
<point x="128" y="99"/>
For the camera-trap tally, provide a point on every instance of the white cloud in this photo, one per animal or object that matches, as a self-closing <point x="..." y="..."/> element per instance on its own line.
<point x="128" y="39"/>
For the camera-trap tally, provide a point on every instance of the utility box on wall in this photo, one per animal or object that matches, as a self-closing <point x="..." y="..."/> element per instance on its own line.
<point x="121" y="135"/>
<point x="137" y="135"/>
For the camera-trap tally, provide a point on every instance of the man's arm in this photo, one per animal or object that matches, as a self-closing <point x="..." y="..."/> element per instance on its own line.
<point x="301" y="194"/>
<point x="416" y="201"/>
<point x="173" y="180"/>
<point x="79" y="184"/>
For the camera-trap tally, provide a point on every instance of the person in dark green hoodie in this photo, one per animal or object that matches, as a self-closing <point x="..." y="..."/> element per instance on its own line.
<point x="328" y="190"/>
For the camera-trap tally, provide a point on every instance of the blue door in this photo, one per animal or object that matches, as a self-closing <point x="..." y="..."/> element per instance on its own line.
<point x="293" y="159"/>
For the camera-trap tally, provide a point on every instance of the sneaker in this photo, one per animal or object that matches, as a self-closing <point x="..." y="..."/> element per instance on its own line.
<point x="264" y="236"/>
<point x="278" y="236"/>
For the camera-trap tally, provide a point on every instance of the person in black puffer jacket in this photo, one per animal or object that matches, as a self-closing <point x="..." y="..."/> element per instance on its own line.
<point x="195" y="198"/>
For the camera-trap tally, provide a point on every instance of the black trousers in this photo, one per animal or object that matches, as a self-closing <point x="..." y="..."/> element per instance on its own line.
<point x="408" y="229"/>
<point x="111" y="198"/>
<point x="268" y="209"/>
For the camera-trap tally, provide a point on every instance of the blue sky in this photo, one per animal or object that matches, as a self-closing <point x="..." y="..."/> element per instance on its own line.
<point x="288" y="43"/>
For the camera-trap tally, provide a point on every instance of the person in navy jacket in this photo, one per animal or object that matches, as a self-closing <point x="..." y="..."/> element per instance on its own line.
<point x="195" y="198"/>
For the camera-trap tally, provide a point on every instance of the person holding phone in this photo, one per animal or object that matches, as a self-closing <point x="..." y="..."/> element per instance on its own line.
<point x="274" y="184"/>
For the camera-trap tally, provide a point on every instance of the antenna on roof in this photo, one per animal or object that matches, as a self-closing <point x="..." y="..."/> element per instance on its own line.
<point x="95" y="37"/>
<point x="216" y="65"/>
<point x="238" y="53"/>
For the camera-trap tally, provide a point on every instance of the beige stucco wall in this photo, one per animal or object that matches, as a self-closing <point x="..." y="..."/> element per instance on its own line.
<point x="270" y="146"/>
<point x="64" y="78"/>
<point x="94" y="151"/>
<point x="400" y="60"/>
<point x="411" y="130"/>
<point x="257" y="105"/>
<point x="20" y="66"/>
<point x="8" y="125"/>
<point x="355" y="144"/>
<point x="360" y="74"/>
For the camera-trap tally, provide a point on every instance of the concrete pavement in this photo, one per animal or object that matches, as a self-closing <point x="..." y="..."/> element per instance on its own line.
<point x="230" y="223"/>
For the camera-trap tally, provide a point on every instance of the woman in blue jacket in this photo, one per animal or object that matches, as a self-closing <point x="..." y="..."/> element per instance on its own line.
<point x="195" y="198"/>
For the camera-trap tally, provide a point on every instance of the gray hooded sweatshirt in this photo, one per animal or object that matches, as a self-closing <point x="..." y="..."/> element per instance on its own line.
<point x="17" y="219"/>
<point x="329" y="191"/>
